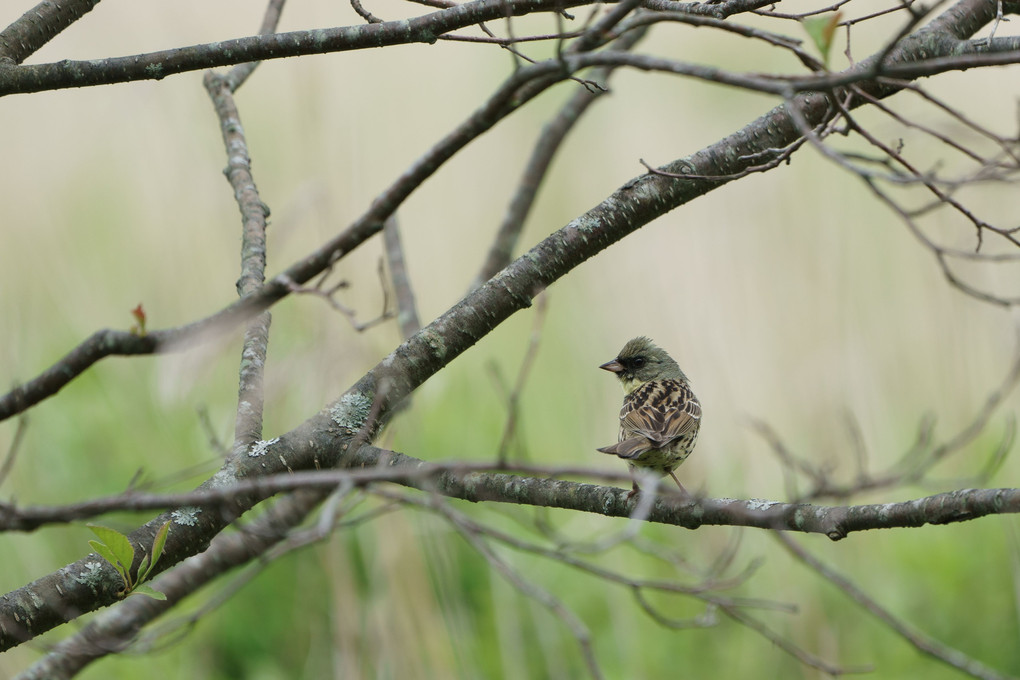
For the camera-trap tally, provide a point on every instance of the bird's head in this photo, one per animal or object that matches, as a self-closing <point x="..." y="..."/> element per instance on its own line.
<point x="640" y="361"/>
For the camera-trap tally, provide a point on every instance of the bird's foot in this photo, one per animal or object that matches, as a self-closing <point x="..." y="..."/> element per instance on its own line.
<point x="634" y="491"/>
<point x="683" y="491"/>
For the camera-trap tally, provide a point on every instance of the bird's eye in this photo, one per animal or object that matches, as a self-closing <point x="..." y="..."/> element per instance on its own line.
<point x="638" y="362"/>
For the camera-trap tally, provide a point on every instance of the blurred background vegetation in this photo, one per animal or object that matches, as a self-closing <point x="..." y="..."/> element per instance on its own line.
<point x="790" y="297"/>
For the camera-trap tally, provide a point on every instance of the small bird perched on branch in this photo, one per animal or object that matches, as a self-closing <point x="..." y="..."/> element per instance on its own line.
<point x="660" y="417"/>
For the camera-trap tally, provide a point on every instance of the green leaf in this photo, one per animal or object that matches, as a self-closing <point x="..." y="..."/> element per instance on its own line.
<point x="143" y="569"/>
<point x="143" y="589"/>
<point x="117" y="542"/>
<point x="160" y="542"/>
<point x="821" y="30"/>
<point x="108" y="555"/>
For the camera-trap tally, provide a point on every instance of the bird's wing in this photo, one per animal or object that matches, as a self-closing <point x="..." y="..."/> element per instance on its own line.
<point x="660" y="411"/>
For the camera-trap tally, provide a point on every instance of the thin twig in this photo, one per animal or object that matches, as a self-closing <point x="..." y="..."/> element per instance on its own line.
<point x="532" y="590"/>
<point x="328" y="523"/>
<point x="240" y="73"/>
<point x="707" y="619"/>
<point x="803" y="15"/>
<point x="912" y="467"/>
<point x="12" y="450"/>
<point x="329" y="294"/>
<point x="923" y="643"/>
<point x="514" y="40"/>
<point x="805" y="657"/>
<point x="215" y="443"/>
<point x="513" y="401"/>
<point x="407" y="309"/>
<point x="364" y="13"/>
<point x="704" y="591"/>
<point x="551" y="139"/>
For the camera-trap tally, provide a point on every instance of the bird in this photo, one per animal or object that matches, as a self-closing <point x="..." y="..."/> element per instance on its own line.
<point x="660" y="418"/>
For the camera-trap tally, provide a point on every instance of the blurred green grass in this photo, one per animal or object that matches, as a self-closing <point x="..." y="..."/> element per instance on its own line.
<point x="789" y="297"/>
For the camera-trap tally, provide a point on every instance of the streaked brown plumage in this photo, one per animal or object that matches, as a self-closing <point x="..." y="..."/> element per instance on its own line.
<point x="660" y="417"/>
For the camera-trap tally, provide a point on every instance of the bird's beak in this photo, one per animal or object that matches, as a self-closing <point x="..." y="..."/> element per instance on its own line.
<point x="613" y="366"/>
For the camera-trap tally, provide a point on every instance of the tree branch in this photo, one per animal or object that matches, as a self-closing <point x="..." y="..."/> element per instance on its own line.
<point x="475" y="483"/>
<point x="407" y="309"/>
<point x="114" y="629"/>
<point x="250" y="397"/>
<point x="159" y="65"/>
<point x="549" y="142"/>
<point x="38" y="26"/>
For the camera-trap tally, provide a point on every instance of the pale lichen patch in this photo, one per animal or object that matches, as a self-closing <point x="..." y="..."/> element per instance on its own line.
<point x="760" y="504"/>
<point x="260" y="447"/>
<point x="188" y="516"/>
<point x="91" y="575"/>
<point x="351" y="410"/>
<point x="586" y="224"/>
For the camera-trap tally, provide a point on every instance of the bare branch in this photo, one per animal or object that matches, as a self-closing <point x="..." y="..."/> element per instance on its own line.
<point x="159" y="65"/>
<point x="912" y="467"/>
<point x="704" y="591"/>
<point x="513" y="399"/>
<point x="250" y="397"/>
<point x="923" y="643"/>
<point x="549" y="142"/>
<point x="99" y="345"/>
<point x="468" y="482"/>
<point x="115" y="628"/>
<point x="334" y="515"/>
<point x="719" y="10"/>
<point x="407" y="309"/>
<point x="530" y="589"/>
<point x="815" y="12"/>
<point x="215" y="443"/>
<point x="12" y="450"/>
<point x="328" y="294"/>
<point x="38" y="26"/>
<point x="801" y="655"/>
<point x="785" y="42"/>
<point x="364" y="13"/>
<point x="240" y="73"/>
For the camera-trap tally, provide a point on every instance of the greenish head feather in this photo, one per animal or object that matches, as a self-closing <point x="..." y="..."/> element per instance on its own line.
<point x="640" y="361"/>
